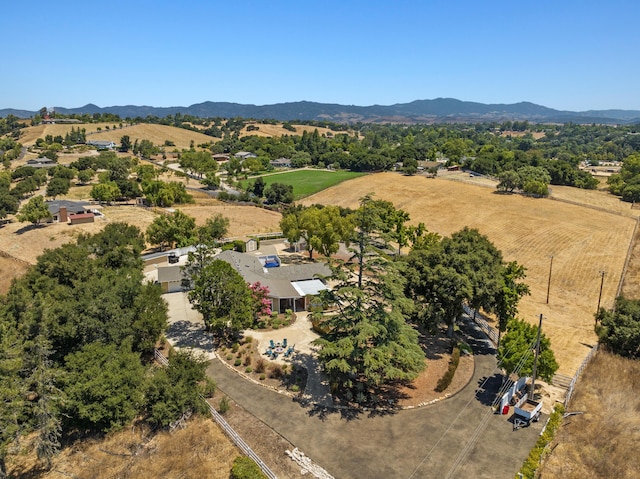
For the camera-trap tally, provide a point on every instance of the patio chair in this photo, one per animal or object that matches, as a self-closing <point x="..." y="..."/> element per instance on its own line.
<point x="284" y="343"/>
<point x="272" y="344"/>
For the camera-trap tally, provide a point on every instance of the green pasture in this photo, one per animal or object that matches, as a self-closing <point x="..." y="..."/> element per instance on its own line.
<point x="306" y="182"/>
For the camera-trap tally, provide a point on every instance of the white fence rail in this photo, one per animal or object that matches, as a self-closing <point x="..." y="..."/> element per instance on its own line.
<point x="237" y="440"/>
<point x="487" y="329"/>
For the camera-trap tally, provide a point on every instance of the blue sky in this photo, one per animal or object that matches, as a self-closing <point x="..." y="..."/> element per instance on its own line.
<point x="573" y="55"/>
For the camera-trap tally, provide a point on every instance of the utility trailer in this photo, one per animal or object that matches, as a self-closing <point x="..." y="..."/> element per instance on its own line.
<point x="525" y="413"/>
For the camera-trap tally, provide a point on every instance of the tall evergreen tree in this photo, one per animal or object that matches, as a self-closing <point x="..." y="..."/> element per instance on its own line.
<point x="368" y="344"/>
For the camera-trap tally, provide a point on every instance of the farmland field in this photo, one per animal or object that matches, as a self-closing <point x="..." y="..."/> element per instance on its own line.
<point x="582" y="240"/>
<point x="306" y="182"/>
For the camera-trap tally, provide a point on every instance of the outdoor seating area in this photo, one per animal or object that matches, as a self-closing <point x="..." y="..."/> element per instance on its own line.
<point x="276" y="349"/>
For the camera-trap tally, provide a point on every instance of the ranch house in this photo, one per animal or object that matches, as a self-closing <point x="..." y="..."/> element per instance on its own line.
<point x="73" y="212"/>
<point x="290" y="286"/>
<point x="102" y="144"/>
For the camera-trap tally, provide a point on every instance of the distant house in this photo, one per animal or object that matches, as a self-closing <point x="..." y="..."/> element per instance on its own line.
<point x="62" y="210"/>
<point x="102" y="144"/>
<point x="281" y="163"/>
<point x="42" y="163"/>
<point x="53" y="121"/>
<point x="72" y="212"/>
<point x="243" y="155"/>
<point x="220" y="157"/>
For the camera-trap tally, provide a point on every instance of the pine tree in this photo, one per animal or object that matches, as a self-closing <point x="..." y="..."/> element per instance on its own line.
<point x="369" y="344"/>
<point x="45" y="410"/>
<point x="11" y="392"/>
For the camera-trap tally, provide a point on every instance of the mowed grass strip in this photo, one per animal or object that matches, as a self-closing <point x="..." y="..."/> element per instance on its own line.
<point x="306" y="182"/>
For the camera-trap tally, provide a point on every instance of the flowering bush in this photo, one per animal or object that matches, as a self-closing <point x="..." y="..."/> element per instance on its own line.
<point x="261" y="299"/>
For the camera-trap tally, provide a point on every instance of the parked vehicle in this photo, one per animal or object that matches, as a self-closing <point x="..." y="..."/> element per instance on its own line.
<point x="526" y="412"/>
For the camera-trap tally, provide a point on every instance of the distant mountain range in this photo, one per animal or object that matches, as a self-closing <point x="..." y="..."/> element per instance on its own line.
<point x="439" y="110"/>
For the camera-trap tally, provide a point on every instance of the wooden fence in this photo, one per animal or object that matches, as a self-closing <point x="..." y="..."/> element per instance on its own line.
<point x="237" y="440"/>
<point x="576" y="376"/>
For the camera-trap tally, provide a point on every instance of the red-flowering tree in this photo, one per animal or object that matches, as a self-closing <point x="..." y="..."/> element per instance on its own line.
<point x="261" y="298"/>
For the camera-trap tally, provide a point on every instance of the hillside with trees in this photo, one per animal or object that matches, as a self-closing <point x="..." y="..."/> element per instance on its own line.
<point x="76" y="333"/>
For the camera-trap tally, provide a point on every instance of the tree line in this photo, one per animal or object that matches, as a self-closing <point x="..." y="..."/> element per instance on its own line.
<point x="76" y="334"/>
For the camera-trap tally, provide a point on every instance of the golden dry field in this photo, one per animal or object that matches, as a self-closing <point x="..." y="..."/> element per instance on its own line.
<point x="29" y="135"/>
<point x="26" y="242"/>
<point x="200" y="450"/>
<point x="582" y="240"/>
<point x="157" y="134"/>
<point x="268" y="130"/>
<point x="602" y="441"/>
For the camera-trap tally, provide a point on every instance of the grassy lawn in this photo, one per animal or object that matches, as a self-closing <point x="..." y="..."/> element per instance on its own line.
<point x="307" y="182"/>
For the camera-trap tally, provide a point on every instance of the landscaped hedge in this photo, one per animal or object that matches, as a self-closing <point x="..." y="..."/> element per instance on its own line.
<point x="532" y="463"/>
<point x="445" y="380"/>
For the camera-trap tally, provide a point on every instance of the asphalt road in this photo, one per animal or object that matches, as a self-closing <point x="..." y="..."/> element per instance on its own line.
<point x="459" y="437"/>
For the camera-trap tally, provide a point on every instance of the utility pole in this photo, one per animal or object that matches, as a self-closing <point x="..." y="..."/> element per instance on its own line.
<point x="602" y="273"/>
<point x="535" y="362"/>
<point x="549" y="283"/>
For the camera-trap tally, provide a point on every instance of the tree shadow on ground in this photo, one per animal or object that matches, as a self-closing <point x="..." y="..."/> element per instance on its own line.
<point x="477" y="339"/>
<point x="380" y="402"/>
<point x="434" y="344"/>
<point x="488" y="389"/>
<point x="185" y="334"/>
<point x="345" y="412"/>
<point x="26" y="229"/>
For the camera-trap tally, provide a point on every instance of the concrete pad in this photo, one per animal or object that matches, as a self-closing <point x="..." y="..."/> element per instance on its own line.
<point x="186" y="326"/>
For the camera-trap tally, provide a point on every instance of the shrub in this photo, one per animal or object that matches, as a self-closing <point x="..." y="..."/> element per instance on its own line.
<point x="208" y="388"/>
<point x="530" y="466"/>
<point x="223" y="407"/>
<point x="229" y="357"/>
<point x="237" y="362"/>
<point x="235" y="347"/>
<point x="261" y="365"/>
<point x="248" y="369"/>
<point x="445" y="380"/>
<point x="244" y="468"/>
<point x="248" y="339"/>
<point x="262" y="377"/>
<point x="247" y="360"/>
<point x="465" y="348"/>
<point x="276" y="372"/>
<point x="295" y="388"/>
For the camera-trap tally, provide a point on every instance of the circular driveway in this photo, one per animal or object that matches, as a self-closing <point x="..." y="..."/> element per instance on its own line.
<point x="456" y="438"/>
